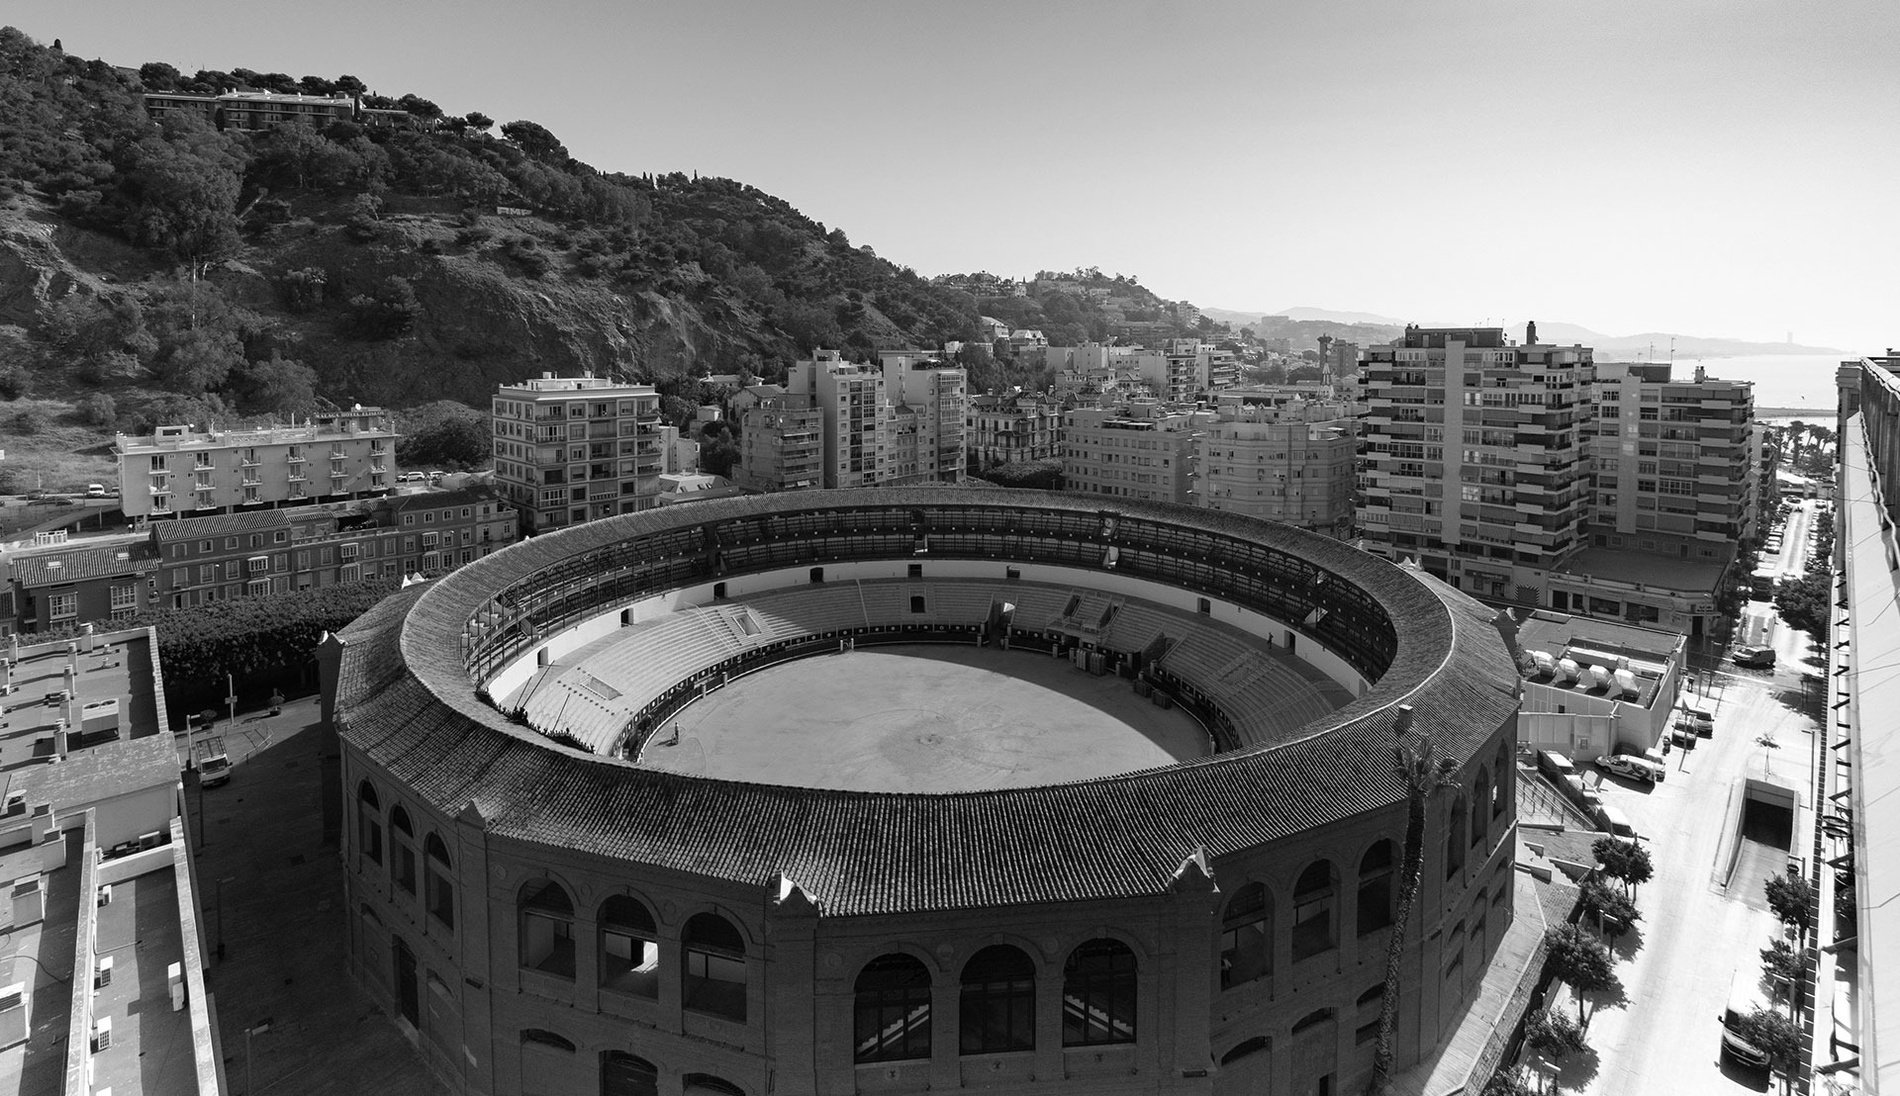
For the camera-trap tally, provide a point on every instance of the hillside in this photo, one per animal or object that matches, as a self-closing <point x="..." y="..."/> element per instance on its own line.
<point x="257" y="273"/>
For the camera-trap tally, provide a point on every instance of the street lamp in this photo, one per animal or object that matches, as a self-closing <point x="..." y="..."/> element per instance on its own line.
<point x="259" y="1028"/>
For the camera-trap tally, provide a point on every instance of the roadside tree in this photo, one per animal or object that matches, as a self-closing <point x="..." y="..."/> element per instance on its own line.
<point x="1581" y="962"/>
<point x="1627" y="861"/>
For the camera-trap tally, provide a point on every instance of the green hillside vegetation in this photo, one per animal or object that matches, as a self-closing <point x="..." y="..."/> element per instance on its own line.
<point x="173" y="273"/>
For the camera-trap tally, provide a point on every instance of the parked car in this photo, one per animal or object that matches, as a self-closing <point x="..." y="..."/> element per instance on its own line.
<point x="1757" y="657"/>
<point x="1629" y="768"/>
<point x="412" y="477"/>
<point x="95" y="490"/>
<point x="1700" y="719"/>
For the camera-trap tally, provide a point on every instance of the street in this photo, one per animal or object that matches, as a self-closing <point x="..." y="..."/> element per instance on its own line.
<point x="1700" y="925"/>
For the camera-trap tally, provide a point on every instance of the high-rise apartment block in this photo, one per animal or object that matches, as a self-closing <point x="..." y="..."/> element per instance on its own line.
<point x="935" y="394"/>
<point x="781" y="446"/>
<point x="1292" y="463"/>
<point x="850" y="400"/>
<point x="573" y="449"/>
<point x="1138" y="450"/>
<point x="177" y="470"/>
<point x="1475" y="455"/>
<point x="1672" y="462"/>
<point x="1008" y="429"/>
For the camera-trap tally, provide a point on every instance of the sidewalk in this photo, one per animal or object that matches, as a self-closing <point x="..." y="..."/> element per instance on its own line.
<point x="270" y="891"/>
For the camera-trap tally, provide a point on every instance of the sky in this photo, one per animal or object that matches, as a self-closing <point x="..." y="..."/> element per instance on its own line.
<point x="1721" y="168"/>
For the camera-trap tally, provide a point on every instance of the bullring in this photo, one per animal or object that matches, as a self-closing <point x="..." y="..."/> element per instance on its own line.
<point x="546" y="915"/>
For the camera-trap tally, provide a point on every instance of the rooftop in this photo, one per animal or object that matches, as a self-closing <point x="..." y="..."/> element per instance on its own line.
<point x="1645" y="569"/>
<point x="118" y="677"/>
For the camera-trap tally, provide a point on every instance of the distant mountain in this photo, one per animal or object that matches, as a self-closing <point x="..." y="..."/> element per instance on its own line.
<point x="1315" y="314"/>
<point x="1549" y="331"/>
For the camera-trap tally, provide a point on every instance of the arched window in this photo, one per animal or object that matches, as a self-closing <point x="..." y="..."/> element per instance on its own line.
<point x="1098" y="995"/>
<point x="714" y="979"/>
<point x="547" y="929"/>
<point x="369" y="824"/>
<point x="1506" y="772"/>
<point x="629" y="948"/>
<point x="441" y="890"/>
<point x="1480" y="816"/>
<point x="1312" y="1019"/>
<point x="541" y="1037"/>
<point x="1246" y="937"/>
<point x="892" y="1010"/>
<point x="1454" y="837"/>
<point x="1313" y="910"/>
<point x="1375" y="888"/>
<point x="1245" y="1049"/>
<point x="623" y="1074"/>
<point x="1366" y="1020"/>
<point x="705" y="1084"/>
<point x="402" y="849"/>
<point x="997" y="1011"/>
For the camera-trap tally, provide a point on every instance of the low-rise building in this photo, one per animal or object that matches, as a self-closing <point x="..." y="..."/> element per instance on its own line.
<point x="178" y="471"/>
<point x="53" y="581"/>
<point x="1011" y="428"/>
<point x="223" y="558"/>
<point x="95" y="854"/>
<point x="1138" y="450"/>
<point x="1291" y="463"/>
<point x="1593" y="685"/>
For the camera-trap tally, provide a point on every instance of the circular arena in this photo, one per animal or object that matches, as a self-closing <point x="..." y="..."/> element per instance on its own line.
<point x="901" y="790"/>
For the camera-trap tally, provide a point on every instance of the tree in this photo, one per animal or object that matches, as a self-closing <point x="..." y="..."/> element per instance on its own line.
<point x="534" y="139"/>
<point x="387" y="311"/>
<point x="15" y="381"/>
<point x="1418" y="764"/>
<point x="182" y="190"/>
<point x="158" y="76"/>
<point x="1509" y="1082"/>
<point x="1777" y="1036"/>
<point x="1580" y="961"/>
<point x="1791" y="898"/>
<point x="444" y="433"/>
<point x="98" y="409"/>
<point x="1627" y="861"/>
<point x="1804" y="603"/>
<point x="1615" y="910"/>
<point x="1784" y="966"/>
<point x="279" y="386"/>
<point x="478" y="121"/>
<point x="1553" y="1034"/>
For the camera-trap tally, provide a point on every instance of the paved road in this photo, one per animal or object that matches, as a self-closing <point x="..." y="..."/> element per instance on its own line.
<point x="1698" y="925"/>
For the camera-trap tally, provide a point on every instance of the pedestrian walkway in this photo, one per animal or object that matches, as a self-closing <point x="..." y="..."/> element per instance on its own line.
<point x="1467" y="1058"/>
<point x="272" y="889"/>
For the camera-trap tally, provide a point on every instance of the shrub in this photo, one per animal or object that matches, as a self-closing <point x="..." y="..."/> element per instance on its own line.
<point x="98" y="409"/>
<point x="29" y="421"/>
<point x="15" y="382"/>
<point x="303" y="289"/>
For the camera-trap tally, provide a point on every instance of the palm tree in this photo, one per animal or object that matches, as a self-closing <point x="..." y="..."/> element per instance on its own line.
<point x="1416" y="759"/>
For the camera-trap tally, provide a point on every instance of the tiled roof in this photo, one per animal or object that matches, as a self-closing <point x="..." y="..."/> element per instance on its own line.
<point x="461" y="496"/>
<point x="79" y="563"/>
<point x="219" y="525"/>
<point x="406" y="702"/>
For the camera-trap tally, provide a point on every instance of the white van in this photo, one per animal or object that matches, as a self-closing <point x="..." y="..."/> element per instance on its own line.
<point x="1744" y="997"/>
<point x="1615" y="822"/>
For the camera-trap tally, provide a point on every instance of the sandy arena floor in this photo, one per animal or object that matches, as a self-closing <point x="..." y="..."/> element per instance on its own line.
<point x="925" y="718"/>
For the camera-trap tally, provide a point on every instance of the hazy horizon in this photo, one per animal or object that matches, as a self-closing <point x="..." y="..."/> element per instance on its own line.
<point x="1712" y="169"/>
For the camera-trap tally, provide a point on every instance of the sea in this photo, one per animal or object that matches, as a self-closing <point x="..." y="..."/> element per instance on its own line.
<point x="1787" y="386"/>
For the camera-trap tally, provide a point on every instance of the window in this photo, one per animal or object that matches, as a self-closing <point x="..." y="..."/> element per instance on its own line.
<point x="997" y="1009"/>
<point x="441" y="896"/>
<point x="538" y="1037"/>
<point x="207" y="572"/>
<point x="1098" y="995"/>
<point x="1313" y="911"/>
<point x="629" y="952"/>
<point x="1246" y="939"/>
<point x="1480" y="818"/>
<point x="62" y="606"/>
<point x="1502" y="788"/>
<point x="547" y="929"/>
<point x="695" y="1083"/>
<point x="1375" y="888"/>
<point x="369" y="824"/>
<point x="125" y="597"/>
<point x="892" y="1010"/>
<point x="623" y="1074"/>
<point x="1454" y="846"/>
<point x="402" y="848"/>
<point x="714" y="979"/>
<point x="1368" y="1007"/>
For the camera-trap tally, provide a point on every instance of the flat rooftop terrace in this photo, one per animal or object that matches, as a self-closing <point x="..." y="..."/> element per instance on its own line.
<point x="139" y="931"/>
<point x="39" y="956"/>
<point x="118" y="669"/>
<point x="924" y="718"/>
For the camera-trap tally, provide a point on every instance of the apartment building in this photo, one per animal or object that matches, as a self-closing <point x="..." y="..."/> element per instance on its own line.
<point x="850" y="400"/>
<point x="253" y="111"/>
<point x="268" y="552"/>
<point x="781" y="446"/>
<point x="936" y="394"/>
<point x="572" y="449"/>
<point x="1005" y="429"/>
<point x="1291" y="463"/>
<point x="1475" y="456"/>
<point x="53" y="581"/>
<point x="1137" y="450"/>
<point x="1673" y="462"/>
<point x="178" y="471"/>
